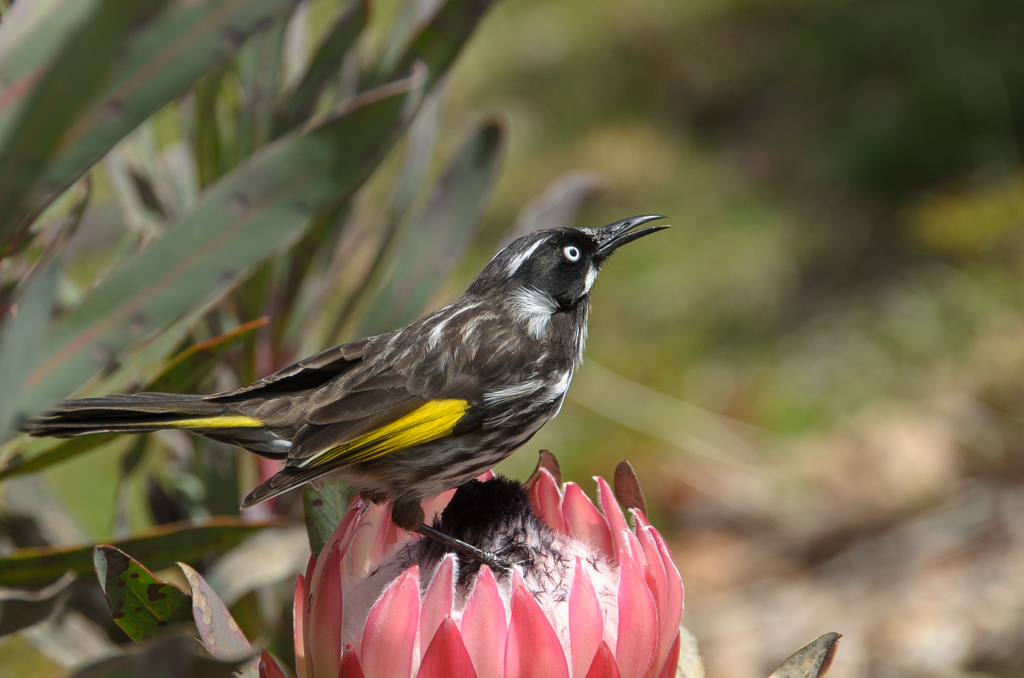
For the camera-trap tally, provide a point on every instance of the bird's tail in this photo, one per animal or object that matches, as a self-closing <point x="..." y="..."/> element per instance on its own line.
<point x="145" y="412"/>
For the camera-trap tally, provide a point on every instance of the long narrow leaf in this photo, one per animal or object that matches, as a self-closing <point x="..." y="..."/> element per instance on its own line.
<point x="326" y="62"/>
<point x="159" y="547"/>
<point x="439" y="41"/>
<point x="65" y="88"/>
<point x="19" y="338"/>
<point x="162" y="60"/>
<point x="436" y="244"/>
<point x="261" y="206"/>
<point x="144" y="369"/>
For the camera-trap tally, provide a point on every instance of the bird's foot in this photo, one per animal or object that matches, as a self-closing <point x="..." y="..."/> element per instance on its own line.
<point x="493" y="560"/>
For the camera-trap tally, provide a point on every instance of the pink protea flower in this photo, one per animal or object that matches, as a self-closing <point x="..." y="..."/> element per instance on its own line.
<point x="589" y="597"/>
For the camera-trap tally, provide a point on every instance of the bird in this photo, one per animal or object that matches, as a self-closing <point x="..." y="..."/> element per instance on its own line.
<point x="412" y="413"/>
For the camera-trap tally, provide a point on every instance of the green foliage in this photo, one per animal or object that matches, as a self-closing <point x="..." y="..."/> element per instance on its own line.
<point x="140" y="603"/>
<point x="217" y="159"/>
<point x="160" y="547"/>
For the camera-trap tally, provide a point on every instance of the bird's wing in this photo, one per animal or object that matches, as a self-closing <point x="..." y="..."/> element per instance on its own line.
<point x="373" y="419"/>
<point x="311" y="372"/>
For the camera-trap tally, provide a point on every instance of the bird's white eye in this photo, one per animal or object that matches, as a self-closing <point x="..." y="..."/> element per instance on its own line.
<point x="571" y="253"/>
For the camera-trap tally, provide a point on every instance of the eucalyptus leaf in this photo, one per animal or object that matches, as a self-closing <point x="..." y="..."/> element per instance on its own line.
<point x="159" y="547"/>
<point x="162" y="60"/>
<point x="342" y="35"/>
<point x="19" y="338"/>
<point x="56" y="97"/>
<point x="259" y="208"/>
<point x="435" y="245"/>
<point x="440" y="40"/>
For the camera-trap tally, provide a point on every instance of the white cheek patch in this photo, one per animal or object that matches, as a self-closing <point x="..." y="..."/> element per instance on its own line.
<point x="533" y="308"/>
<point x="519" y="259"/>
<point x="591" y="277"/>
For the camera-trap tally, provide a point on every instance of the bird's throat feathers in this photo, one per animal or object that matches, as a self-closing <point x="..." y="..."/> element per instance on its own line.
<point x="545" y="320"/>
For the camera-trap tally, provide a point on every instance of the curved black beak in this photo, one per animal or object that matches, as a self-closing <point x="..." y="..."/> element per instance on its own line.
<point x="614" y="236"/>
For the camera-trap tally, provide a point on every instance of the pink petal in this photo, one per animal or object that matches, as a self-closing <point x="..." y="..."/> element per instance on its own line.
<point x="350" y="667"/>
<point x="636" y="552"/>
<point x="437" y="601"/>
<point x="390" y="633"/>
<point x="359" y="549"/>
<point x="604" y="665"/>
<point x="532" y="648"/>
<point x="348" y="522"/>
<point x="640" y="518"/>
<point x="585" y="620"/>
<point x="269" y="667"/>
<point x="306" y="595"/>
<point x="672" y="662"/>
<point x="669" y="623"/>
<point x="300" y="613"/>
<point x="447" y="656"/>
<point x="387" y="537"/>
<point x="547" y="500"/>
<point x="584" y="521"/>
<point x="659" y="587"/>
<point x="638" y="621"/>
<point x="325" y="613"/>
<point x="484" y="628"/>
<point x="612" y="513"/>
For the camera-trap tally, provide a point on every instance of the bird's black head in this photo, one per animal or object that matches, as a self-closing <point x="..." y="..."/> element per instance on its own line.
<point x="557" y="267"/>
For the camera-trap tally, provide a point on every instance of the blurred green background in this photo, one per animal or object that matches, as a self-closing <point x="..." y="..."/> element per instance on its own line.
<point x="816" y="373"/>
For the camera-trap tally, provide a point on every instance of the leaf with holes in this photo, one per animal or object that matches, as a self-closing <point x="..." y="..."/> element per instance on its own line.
<point x="139" y="603"/>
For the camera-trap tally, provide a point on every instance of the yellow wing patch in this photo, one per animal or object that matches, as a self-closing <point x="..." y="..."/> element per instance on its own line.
<point x="435" y="419"/>
<point x="227" y="421"/>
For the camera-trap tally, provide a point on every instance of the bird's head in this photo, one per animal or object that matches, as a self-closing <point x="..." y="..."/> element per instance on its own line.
<point x="557" y="267"/>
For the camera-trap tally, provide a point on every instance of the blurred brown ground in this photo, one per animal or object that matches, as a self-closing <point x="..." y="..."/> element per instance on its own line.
<point x="817" y="373"/>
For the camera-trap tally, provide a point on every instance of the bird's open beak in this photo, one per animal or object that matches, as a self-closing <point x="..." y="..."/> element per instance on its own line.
<point x="614" y="236"/>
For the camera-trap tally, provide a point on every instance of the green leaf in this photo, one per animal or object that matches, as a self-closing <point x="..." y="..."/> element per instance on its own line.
<point x="325" y="64"/>
<point x="439" y="42"/>
<point x="27" y="455"/>
<point x="218" y="631"/>
<point x="160" y="547"/>
<point x="174" y="657"/>
<point x="19" y="337"/>
<point x="53" y="102"/>
<point x="437" y="243"/>
<point x="260" y="207"/>
<point x="324" y="509"/>
<point x="162" y="60"/>
<point x="192" y="365"/>
<point x="139" y="603"/>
